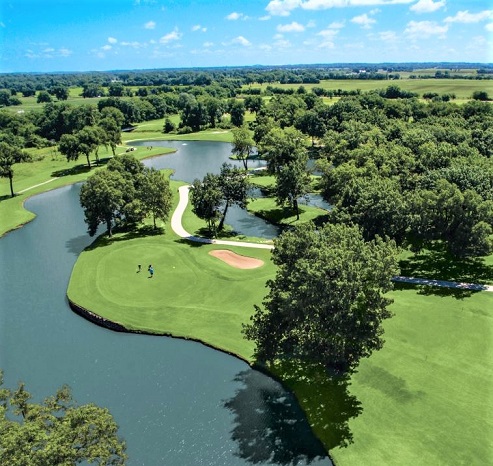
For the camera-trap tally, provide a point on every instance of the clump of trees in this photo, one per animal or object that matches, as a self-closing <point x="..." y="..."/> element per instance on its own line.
<point x="327" y="301"/>
<point x="212" y="197"/>
<point x="125" y="193"/>
<point x="56" y="432"/>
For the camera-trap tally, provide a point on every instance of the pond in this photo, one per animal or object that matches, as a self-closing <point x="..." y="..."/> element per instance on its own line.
<point x="194" y="159"/>
<point x="177" y="402"/>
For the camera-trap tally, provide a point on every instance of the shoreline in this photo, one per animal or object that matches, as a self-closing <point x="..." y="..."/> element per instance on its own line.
<point x="116" y="327"/>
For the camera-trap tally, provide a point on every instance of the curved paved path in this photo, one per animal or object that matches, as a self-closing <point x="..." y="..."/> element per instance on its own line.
<point x="177" y="227"/>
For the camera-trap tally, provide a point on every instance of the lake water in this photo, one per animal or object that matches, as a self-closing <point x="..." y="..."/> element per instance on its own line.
<point x="177" y="402"/>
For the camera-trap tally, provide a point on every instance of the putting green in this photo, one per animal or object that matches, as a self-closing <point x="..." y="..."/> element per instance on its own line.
<point x="191" y="294"/>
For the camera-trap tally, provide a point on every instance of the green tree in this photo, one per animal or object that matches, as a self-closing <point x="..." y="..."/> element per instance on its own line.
<point x="89" y="138"/>
<point x="155" y="194"/>
<point x="9" y="155"/>
<point x="282" y="146"/>
<point x="56" y="432"/>
<point x="243" y="144"/>
<point x="462" y="219"/>
<point x="111" y="134"/>
<point x="292" y="183"/>
<point x="237" y="112"/>
<point x="69" y="147"/>
<point x="60" y="92"/>
<point x="103" y="197"/>
<point x="310" y="123"/>
<point x="327" y="301"/>
<point x="43" y="97"/>
<point x="234" y="187"/>
<point x="206" y="198"/>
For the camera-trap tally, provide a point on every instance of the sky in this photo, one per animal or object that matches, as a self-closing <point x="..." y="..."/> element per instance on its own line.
<point x="101" y="35"/>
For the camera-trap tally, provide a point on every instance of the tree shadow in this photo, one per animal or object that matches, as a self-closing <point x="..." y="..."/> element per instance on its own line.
<point x="75" y="170"/>
<point x="81" y="168"/>
<point x="437" y="263"/>
<point x="280" y="215"/>
<point x="270" y="426"/>
<point x="125" y="235"/>
<point x="425" y="290"/>
<point x="77" y="245"/>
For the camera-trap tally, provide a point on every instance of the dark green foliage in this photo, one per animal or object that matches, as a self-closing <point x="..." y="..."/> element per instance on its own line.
<point x="234" y="187"/>
<point x="56" y="432"/>
<point x="206" y="199"/>
<point x="243" y="144"/>
<point x="10" y="155"/>
<point x="327" y="301"/>
<point x="103" y="197"/>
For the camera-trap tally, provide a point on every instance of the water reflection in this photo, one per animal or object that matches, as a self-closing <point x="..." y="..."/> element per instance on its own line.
<point x="269" y="426"/>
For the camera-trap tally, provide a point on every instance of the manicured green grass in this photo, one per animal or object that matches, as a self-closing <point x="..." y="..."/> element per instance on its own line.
<point x="49" y="170"/>
<point x="426" y="397"/>
<point x="105" y="281"/>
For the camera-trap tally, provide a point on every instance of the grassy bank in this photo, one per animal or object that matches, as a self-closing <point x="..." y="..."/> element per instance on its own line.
<point x="50" y="169"/>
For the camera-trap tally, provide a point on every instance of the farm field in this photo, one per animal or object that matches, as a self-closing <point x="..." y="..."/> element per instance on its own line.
<point x="462" y="88"/>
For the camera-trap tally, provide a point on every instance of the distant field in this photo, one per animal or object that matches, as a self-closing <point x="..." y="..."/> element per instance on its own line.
<point x="462" y="88"/>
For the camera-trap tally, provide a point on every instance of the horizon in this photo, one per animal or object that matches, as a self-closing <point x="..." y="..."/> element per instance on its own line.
<point x="46" y="36"/>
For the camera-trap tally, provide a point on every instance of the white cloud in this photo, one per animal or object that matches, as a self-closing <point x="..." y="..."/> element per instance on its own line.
<point x="489" y="27"/>
<point x="106" y="47"/>
<point x="336" y="25"/>
<point x="49" y="50"/>
<point x="388" y="36"/>
<point x="293" y="27"/>
<point x="171" y="36"/>
<point x="242" y="41"/>
<point x="284" y="7"/>
<point x="427" y="6"/>
<point x="198" y="27"/>
<point x="234" y="16"/>
<point x="112" y="40"/>
<point x="328" y="33"/>
<point x="424" y="29"/>
<point x="150" y="25"/>
<point x="208" y="44"/>
<point x="466" y="17"/>
<point x="134" y="44"/>
<point x="264" y="18"/>
<point x="282" y="44"/>
<point x="364" y="21"/>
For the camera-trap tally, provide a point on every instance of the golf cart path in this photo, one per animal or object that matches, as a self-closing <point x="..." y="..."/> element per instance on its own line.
<point x="177" y="227"/>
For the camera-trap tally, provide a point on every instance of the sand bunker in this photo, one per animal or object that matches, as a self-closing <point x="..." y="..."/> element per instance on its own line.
<point x="235" y="260"/>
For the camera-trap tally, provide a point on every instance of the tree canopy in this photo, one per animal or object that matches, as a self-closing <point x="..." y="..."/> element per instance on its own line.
<point x="327" y="301"/>
<point x="56" y="432"/>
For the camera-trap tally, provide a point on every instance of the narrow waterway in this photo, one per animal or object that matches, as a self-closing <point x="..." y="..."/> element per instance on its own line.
<point x="177" y="402"/>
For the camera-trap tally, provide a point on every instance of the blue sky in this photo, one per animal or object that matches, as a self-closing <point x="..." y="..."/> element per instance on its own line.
<point x="90" y="35"/>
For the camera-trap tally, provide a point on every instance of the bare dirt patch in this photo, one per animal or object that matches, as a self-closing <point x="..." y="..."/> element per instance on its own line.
<point x="236" y="260"/>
